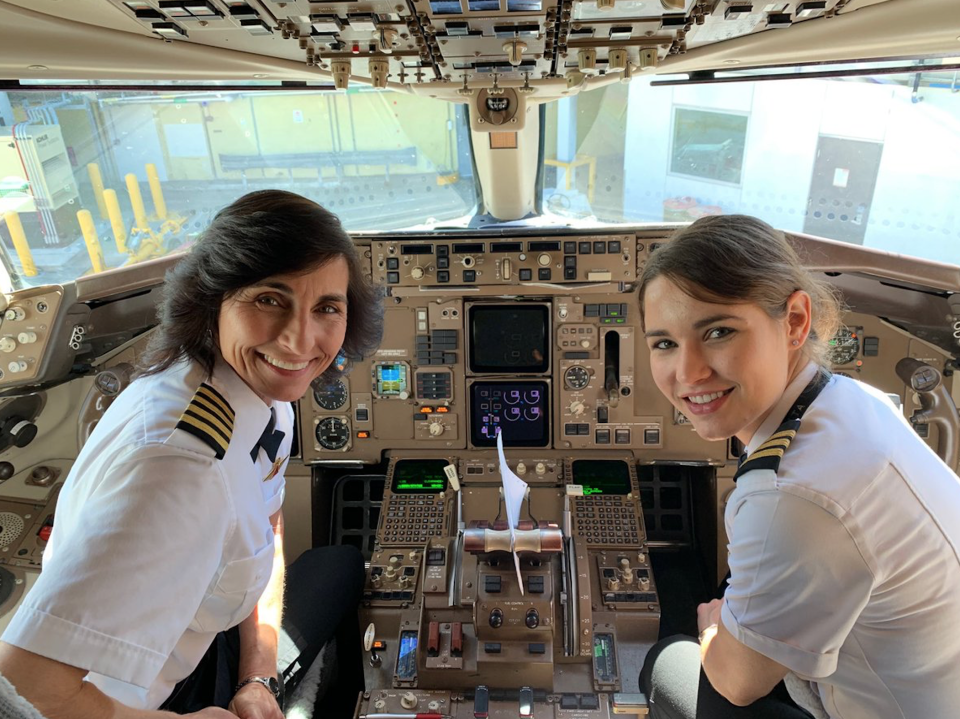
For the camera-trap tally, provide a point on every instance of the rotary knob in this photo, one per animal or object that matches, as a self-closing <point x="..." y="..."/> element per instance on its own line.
<point x="409" y="701"/>
<point x="436" y="429"/>
<point x="17" y="367"/>
<point x="7" y="344"/>
<point x="27" y="338"/>
<point x="521" y="468"/>
<point x="613" y="584"/>
<point x="540" y="469"/>
<point x="543" y="259"/>
<point x="577" y="408"/>
<point x="417" y="273"/>
<point x="14" y="314"/>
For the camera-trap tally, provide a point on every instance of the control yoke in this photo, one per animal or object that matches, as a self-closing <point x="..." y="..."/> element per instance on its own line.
<point x="936" y="406"/>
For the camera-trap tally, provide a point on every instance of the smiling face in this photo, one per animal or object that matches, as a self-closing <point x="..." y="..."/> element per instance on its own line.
<point x="723" y="366"/>
<point x="284" y="331"/>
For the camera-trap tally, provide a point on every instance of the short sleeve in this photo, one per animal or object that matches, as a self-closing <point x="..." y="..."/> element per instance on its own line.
<point x="127" y="578"/>
<point x="797" y="581"/>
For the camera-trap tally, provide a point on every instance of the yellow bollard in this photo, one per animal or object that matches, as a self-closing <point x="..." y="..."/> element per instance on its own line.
<point x="136" y="200"/>
<point x="156" y="192"/>
<point x="116" y="220"/>
<point x="90" y="237"/>
<point x="93" y="169"/>
<point x="20" y="243"/>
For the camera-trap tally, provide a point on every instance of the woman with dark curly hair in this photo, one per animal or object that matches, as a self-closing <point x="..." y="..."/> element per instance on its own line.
<point x="163" y="580"/>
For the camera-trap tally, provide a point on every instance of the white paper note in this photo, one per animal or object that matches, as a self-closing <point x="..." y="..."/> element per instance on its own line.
<point x="514" y="490"/>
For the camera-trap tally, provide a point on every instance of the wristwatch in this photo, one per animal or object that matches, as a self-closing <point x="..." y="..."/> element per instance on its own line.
<point x="270" y="683"/>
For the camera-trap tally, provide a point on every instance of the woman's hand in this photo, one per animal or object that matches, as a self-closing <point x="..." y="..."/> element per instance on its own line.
<point x="255" y="701"/>
<point x="708" y="615"/>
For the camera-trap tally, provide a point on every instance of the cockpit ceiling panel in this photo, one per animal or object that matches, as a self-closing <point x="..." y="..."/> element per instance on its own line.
<point x="386" y="42"/>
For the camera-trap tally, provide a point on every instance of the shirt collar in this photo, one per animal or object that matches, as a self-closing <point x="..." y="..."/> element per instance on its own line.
<point x="780" y="409"/>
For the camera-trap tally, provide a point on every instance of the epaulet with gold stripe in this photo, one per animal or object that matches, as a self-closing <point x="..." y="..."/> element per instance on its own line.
<point x="769" y="454"/>
<point x="209" y="418"/>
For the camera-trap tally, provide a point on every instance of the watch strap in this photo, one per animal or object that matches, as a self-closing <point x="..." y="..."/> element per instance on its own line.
<point x="270" y="683"/>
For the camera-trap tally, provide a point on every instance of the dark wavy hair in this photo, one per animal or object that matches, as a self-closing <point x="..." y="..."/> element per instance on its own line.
<point x="262" y="234"/>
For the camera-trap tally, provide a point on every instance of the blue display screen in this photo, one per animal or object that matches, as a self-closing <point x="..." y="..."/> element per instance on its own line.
<point x="391" y="379"/>
<point x="407" y="658"/>
<point x="518" y="409"/>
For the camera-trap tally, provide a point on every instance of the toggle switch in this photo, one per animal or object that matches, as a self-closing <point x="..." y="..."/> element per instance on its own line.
<point x="433" y="640"/>
<point x="526" y="702"/>
<point x="456" y="639"/>
<point x="481" y="703"/>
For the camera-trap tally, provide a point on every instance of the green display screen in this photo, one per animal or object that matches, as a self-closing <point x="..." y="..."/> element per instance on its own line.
<point x="602" y="476"/>
<point x="419" y="476"/>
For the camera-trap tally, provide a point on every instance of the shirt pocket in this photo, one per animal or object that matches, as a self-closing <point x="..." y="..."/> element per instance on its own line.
<point x="236" y="592"/>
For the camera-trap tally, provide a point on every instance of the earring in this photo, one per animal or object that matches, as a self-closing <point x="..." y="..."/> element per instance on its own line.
<point x="796" y="343"/>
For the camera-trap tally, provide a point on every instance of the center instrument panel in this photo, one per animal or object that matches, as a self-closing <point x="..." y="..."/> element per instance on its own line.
<point x="534" y="336"/>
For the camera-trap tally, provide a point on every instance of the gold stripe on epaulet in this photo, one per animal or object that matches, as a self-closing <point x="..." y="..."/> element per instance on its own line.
<point x="771" y="452"/>
<point x="783" y="434"/>
<point x="209" y="418"/>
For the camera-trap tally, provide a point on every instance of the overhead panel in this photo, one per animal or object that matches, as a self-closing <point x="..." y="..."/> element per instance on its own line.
<point x="484" y="42"/>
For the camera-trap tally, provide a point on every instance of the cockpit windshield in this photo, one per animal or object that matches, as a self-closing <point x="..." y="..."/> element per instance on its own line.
<point x="92" y="179"/>
<point x="871" y="160"/>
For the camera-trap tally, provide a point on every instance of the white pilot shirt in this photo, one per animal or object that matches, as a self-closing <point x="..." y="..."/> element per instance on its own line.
<point x="844" y="564"/>
<point x="157" y="544"/>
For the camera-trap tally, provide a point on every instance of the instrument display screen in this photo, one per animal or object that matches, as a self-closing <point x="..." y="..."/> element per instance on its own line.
<point x="518" y="409"/>
<point x="602" y="476"/>
<point x="391" y="379"/>
<point x="419" y="476"/>
<point x="509" y="338"/>
<point x="407" y="656"/>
